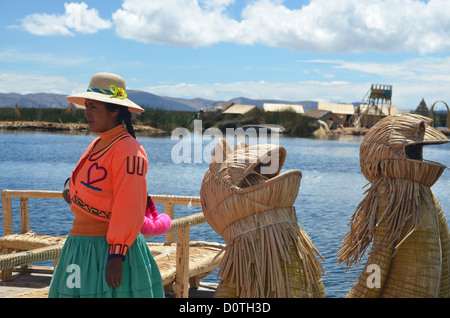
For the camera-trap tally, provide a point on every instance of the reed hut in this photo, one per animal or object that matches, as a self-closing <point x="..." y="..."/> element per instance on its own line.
<point x="249" y="203"/>
<point x="222" y="107"/>
<point x="238" y="109"/>
<point x="343" y="111"/>
<point x="422" y="109"/>
<point x="369" y="115"/>
<point x="73" y="108"/>
<point x="331" y="119"/>
<point x="272" y="107"/>
<point x="399" y="225"/>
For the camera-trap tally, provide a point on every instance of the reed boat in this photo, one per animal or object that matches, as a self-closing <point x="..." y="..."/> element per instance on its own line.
<point x="183" y="263"/>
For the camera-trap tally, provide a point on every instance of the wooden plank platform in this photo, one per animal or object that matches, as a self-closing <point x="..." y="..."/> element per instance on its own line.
<point x="203" y="259"/>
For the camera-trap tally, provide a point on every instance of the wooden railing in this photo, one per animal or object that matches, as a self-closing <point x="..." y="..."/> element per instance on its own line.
<point x="180" y="226"/>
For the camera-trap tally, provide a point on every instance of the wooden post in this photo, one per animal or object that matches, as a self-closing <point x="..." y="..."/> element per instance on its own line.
<point x="181" y="285"/>
<point x="24" y="216"/>
<point x="6" y="274"/>
<point x="7" y="213"/>
<point x="169" y="210"/>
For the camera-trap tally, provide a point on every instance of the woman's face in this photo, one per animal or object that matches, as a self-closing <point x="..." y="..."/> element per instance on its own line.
<point x="98" y="117"/>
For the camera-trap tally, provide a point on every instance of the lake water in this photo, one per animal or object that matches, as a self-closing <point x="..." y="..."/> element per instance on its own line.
<point x="331" y="187"/>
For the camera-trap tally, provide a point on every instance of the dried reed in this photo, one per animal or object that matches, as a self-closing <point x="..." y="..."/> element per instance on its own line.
<point x="399" y="215"/>
<point x="267" y="253"/>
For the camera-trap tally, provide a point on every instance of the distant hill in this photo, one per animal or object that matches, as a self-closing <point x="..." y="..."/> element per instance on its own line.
<point x="148" y="100"/>
<point x="144" y="99"/>
<point x="39" y="100"/>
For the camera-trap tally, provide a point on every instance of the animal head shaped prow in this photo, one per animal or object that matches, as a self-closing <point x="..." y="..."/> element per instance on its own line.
<point x="393" y="148"/>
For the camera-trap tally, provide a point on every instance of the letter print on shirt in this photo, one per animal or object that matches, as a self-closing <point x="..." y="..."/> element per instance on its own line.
<point x="135" y="165"/>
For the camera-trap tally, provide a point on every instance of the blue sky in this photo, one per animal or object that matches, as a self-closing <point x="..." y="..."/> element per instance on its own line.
<point x="293" y="50"/>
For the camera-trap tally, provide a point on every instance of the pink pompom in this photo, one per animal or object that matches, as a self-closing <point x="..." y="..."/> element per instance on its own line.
<point x="154" y="223"/>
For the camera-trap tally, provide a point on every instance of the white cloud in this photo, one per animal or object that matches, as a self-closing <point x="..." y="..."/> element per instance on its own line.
<point x="19" y="56"/>
<point x="408" y="89"/>
<point x="175" y="22"/>
<point x="338" y="26"/>
<point x="292" y="91"/>
<point x="406" y="95"/>
<point x="32" y="83"/>
<point x="324" y="26"/>
<point x="412" y="80"/>
<point x="423" y="69"/>
<point x="77" y="18"/>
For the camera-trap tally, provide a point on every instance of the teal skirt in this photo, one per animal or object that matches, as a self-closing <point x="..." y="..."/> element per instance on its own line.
<point x="80" y="271"/>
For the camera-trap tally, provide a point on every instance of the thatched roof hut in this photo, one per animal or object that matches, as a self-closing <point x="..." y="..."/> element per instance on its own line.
<point x="343" y="111"/>
<point x="331" y="119"/>
<point x="377" y="110"/>
<point x="270" y="107"/>
<point x="239" y="109"/>
<point x="338" y="109"/>
<point x="422" y="109"/>
<point x="223" y="106"/>
<point x="369" y="115"/>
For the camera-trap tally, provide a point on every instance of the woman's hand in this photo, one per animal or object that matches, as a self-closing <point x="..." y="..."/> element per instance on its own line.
<point x="114" y="269"/>
<point x="66" y="191"/>
<point x="66" y="196"/>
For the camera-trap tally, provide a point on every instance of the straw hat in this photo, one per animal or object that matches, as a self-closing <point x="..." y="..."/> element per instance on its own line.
<point x="108" y="88"/>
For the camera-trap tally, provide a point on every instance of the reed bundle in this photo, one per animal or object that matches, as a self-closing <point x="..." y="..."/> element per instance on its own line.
<point x="267" y="253"/>
<point x="399" y="216"/>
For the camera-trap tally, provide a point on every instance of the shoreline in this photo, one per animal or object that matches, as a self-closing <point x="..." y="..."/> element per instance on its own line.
<point x="347" y="131"/>
<point x="148" y="130"/>
<point x="67" y="127"/>
<point x="352" y="131"/>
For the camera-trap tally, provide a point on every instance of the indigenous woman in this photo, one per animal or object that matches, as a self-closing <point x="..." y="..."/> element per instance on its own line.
<point x="105" y="255"/>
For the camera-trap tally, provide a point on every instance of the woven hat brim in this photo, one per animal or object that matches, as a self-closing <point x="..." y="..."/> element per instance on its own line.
<point x="80" y="99"/>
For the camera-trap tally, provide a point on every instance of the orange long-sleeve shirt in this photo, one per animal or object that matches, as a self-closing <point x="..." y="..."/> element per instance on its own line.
<point x="108" y="190"/>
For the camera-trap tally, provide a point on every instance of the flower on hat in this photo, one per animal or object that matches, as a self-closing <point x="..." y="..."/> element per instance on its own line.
<point x="118" y="92"/>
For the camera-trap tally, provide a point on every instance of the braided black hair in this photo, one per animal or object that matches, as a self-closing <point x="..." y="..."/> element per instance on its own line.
<point x="123" y="118"/>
